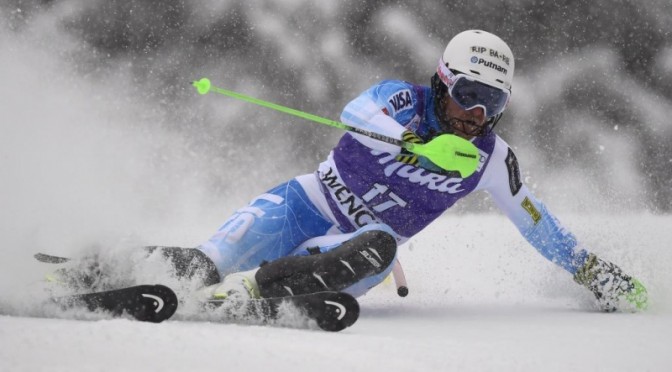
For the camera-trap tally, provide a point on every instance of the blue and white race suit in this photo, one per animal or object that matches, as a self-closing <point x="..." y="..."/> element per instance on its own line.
<point x="362" y="186"/>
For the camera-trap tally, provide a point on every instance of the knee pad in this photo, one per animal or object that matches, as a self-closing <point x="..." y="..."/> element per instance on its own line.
<point x="368" y="254"/>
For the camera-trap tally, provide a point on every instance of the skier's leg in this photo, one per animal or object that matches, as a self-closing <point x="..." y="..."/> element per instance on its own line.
<point x="270" y="227"/>
<point x="351" y="263"/>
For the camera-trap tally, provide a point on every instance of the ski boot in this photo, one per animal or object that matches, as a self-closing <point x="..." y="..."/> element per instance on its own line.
<point x="613" y="289"/>
<point x="239" y="286"/>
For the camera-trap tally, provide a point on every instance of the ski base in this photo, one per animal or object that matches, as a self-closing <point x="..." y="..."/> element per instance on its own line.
<point x="147" y="303"/>
<point x="332" y="311"/>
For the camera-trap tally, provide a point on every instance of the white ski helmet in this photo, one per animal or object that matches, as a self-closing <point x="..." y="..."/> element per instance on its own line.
<point x="475" y="70"/>
<point x="481" y="55"/>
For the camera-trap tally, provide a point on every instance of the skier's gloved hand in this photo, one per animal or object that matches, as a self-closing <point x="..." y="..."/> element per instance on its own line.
<point x="406" y="156"/>
<point x="613" y="289"/>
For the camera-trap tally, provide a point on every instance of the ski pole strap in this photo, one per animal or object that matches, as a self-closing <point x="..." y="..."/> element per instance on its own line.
<point x="399" y="279"/>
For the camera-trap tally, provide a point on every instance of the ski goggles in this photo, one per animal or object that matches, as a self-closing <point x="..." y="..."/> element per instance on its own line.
<point x="468" y="92"/>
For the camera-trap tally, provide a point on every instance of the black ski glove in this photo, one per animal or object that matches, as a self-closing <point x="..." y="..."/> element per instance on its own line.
<point x="406" y="156"/>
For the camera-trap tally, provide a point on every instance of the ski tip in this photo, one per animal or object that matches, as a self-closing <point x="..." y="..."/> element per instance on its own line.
<point x="341" y="311"/>
<point x="146" y="303"/>
<point x="159" y="303"/>
<point x="47" y="258"/>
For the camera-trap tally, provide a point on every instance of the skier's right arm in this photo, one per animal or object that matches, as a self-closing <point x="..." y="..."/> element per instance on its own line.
<point x="379" y="109"/>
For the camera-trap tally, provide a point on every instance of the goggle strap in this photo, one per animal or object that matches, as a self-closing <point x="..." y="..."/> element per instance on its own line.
<point x="446" y="76"/>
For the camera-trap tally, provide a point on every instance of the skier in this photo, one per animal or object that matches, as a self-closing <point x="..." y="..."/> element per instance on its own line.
<point x="338" y="228"/>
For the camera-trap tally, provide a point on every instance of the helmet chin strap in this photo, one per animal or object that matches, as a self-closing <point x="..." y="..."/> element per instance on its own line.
<point x="493" y="120"/>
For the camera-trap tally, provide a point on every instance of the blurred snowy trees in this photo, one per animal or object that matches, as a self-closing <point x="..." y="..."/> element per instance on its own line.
<point x="593" y="78"/>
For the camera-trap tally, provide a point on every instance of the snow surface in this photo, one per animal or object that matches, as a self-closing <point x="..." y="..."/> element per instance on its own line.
<point x="481" y="299"/>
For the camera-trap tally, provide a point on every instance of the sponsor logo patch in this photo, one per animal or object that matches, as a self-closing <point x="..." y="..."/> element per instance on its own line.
<point x="414" y="124"/>
<point x="489" y="64"/>
<point x="482" y="160"/>
<point x="514" y="173"/>
<point x="432" y="181"/>
<point x="531" y="209"/>
<point x="370" y="258"/>
<point x="400" y="101"/>
<point x="349" y="204"/>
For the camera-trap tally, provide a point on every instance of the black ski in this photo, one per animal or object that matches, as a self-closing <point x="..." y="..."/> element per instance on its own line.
<point x="333" y="311"/>
<point x="47" y="258"/>
<point x="147" y="303"/>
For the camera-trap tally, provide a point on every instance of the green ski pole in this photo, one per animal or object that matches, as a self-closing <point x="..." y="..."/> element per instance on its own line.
<point x="448" y="151"/>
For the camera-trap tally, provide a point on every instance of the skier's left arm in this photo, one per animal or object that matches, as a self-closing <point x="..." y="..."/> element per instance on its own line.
<point x="535" y="222"/>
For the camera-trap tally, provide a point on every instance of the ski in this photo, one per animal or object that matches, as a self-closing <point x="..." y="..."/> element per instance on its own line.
<point x="332" y="311"/>
<point x="147" y="303"/>
<point x="47" y="258"/>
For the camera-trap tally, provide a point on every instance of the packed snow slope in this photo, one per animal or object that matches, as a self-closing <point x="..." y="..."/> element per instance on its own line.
<point x="480" y="299"/>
